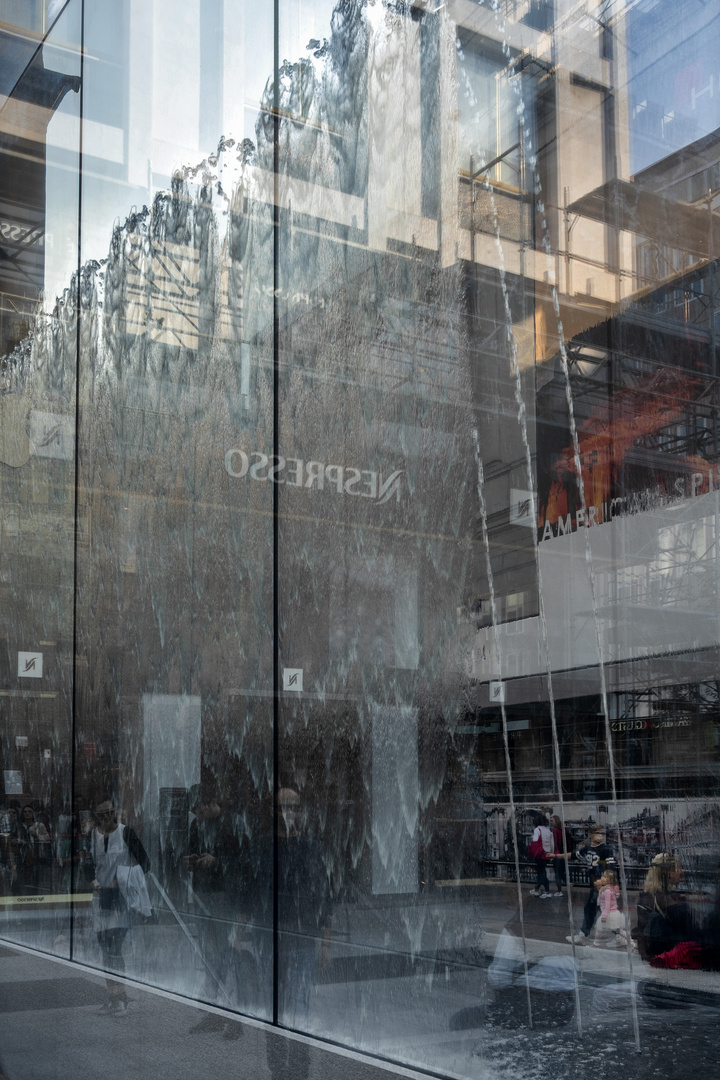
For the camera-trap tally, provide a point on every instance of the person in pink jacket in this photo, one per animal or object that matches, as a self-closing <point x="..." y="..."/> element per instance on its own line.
<point x="610" y="928"/>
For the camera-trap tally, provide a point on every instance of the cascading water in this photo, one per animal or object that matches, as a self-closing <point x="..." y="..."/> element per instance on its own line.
<point x="503" y="712"/>
<point x="322" y="246"/>
<point x="545" y="239"/>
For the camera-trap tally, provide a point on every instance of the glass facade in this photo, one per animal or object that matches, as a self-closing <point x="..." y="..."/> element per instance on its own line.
<point x="359" y="504"/>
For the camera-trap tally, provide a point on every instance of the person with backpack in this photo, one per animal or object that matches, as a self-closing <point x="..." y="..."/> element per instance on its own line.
<point x="540" y="850"/>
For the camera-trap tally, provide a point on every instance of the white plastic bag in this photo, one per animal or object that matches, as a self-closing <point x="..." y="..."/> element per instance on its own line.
<point x="132" y="884"/>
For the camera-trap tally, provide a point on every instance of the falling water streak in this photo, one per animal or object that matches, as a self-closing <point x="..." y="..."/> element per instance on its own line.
<point x="506" y="744"/>
<point x="588" y="549"/>
<point x="522" y="420"/>
<point x="601" y="657"/>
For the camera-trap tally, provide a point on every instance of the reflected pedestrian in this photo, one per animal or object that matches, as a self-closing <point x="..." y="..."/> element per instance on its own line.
<point x="64" y="846"/>
<point x="34" y="861"/>
<point x="113" y="845"/>
<point x="541" y="849"/>
<point x="610" y="927"/>
<point x="213" y="863"/>
<point x="304" y="917"/>
<point x="304" y="909"/>
<point x="564" y="846"/>
<point x="594" y="854"/>
<point x="664" y="914"/>
<point x="9" y="846"/>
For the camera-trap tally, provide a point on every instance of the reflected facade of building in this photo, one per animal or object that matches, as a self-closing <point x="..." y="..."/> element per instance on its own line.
<point x="360" y="490"/>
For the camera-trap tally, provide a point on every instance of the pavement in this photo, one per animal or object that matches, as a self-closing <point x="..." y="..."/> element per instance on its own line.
<point x="413" y="983"/>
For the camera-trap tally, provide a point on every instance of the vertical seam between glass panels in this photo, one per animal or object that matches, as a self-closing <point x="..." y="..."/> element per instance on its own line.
<point x="78" y="316"/>
<point x="276" y="500"/>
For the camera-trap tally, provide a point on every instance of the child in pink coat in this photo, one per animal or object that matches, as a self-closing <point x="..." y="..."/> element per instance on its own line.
<point x="610" y="928"/>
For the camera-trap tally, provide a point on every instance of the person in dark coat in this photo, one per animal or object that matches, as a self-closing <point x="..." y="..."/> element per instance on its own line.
<point x="304" y="909"/>
<point x="595" y="855"/>
<point x="664" y="916"/>
<point x="564" y="848"/>
<point x="212" y="861"/>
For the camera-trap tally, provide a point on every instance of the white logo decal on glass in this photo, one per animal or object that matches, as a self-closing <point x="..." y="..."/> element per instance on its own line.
<point x="497" y="693"/>
<point x="521" y="508"/>
<point x="293" y="679"/>
<point x="30" y="665"/>
<point x="52" y="435"/>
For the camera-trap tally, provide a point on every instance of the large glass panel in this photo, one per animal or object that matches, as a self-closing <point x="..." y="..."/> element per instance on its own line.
<point x="175" y="601"/>
<point x="39" y="190"/>
<point x="373" y="392"/>
<point x="488" y="667"/>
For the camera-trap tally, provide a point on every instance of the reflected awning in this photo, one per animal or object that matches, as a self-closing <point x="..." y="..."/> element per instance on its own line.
<point x="631" y="208"/>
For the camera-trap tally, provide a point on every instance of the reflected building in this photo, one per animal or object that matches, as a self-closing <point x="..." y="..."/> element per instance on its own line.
<point x="369" y="454"/>
<point x="30" y="93"/>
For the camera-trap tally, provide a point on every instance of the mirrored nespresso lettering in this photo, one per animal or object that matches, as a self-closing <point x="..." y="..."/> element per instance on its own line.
<point x="360" y="510"/>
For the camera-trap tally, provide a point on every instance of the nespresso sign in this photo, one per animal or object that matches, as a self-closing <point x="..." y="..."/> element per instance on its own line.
<point x="294" y="472"/>
<point x="18" y="234"/>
